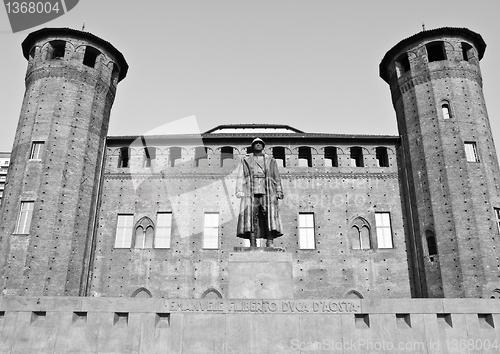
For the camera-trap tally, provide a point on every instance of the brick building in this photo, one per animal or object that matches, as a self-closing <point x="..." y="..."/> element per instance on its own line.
<point x="365" y="217"/>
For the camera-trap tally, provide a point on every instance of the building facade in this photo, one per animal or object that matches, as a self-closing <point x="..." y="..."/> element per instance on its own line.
<point x="364" y="216"/>
<point x="4" y="167"/>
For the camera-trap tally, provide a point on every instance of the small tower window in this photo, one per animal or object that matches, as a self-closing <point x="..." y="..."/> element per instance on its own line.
<point x="24" y="218"/>
<point x="175" y="155"/>
<point x="436" y="51"/>
<point x="56" y="50"/>
<point x="471" y="152"/>
<point x="226" y="156"/>
<point x="431" y="243"/>
<point x="149" y="156"/>
<point x="115" y="74"/>
<point x="382" y="157"/>
<point x="90" y="56"/>
<point x="402" y="64"/>
<point x="36" y="150"/>
<point x="200" y="156"/>
<point x="445" y="108"/>
<point x="331" y="157"/>
<point x="357" y="157"/>
<point x="279" y="155"/>
<point x="305" y="157"/>
<point x="123" y="161"/>
<point x="467" y="51"/>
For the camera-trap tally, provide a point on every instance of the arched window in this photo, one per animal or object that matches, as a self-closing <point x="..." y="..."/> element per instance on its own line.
<point x="435" y="51"/>
<point x="353" y="294"/>
<point x="331" y="157"/>
<point x="357" y="157"/>
<point x="431" y="242"/>
<point x="56" y="50"/>
<point x="149" y="157"/>
<point x="467" y="51"/>
<point x="402" y="64"/>
<point x="142" y="293"/>
<point x="200" y="156"/>
<point x="279" y="155"/>
<point x="382" y="156"/>
<point x="90" y="56"/>
<point x="144" y="233"/>
<point x="211" y="293"/>
<point x="445" y="108"/>
<point x="360" y="236"/>
<point x="305" y="156"/>
<point x="226" y="156"/>
<point x="175" y="155"/>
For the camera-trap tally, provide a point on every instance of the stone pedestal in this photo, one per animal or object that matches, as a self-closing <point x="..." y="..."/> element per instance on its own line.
<point x="260" y="273"/>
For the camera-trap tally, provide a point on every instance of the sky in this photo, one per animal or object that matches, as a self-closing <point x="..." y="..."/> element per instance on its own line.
<point x="313" y="65"/>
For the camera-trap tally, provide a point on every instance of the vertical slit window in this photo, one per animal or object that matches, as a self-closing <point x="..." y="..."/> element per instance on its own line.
<point x="90" y="56"/>
<point x="306" y="231"/>
<point x="471" y="152"/>
<point x="384" y="231"/>
<point x="115" y="74"/>
<point x="24" y="218"/>
<point x="279" y="155"/>
<point x="331" y="158"/>
<point x="436" y="51"/>
<point x="163" y="230"/>
<point x="124" y="157"/>
<point x="382" y="156"/>
<point x="357" y="157"/>
<point x="124" y="230"/>
<point x="211" y="231"/>
<point x="175" y="155"/>
<point x="36" y="150"/>
<point x="305" y="157"/>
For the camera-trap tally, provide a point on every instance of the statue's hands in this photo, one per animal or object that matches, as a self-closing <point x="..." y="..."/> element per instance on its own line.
<point x="280" y="195"/>
<point x="240" y="195"/>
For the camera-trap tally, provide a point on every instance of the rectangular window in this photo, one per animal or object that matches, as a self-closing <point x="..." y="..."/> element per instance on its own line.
<point x="124" y="228"/>
<point x="163" y="230"/>
<point x="306" y="231"/>
<point x="24" y="218"/>
<point x="471" y="152"/>
<point x="36" y="150"/>
<point x="384" y="232"/>
<point x="211" y="231"/>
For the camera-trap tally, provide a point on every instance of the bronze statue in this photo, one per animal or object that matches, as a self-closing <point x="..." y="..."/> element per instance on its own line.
<point x="259" y="188"/>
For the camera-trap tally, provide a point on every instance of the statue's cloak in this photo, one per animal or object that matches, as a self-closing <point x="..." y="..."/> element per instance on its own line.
<point x="244" y="184"/>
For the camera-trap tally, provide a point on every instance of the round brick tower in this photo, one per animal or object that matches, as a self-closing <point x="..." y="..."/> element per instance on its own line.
<point x="47" y="218"/>
<point x="449" y="167"/>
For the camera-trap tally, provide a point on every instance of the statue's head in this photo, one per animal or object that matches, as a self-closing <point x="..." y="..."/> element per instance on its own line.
<point x="258" y="140"/>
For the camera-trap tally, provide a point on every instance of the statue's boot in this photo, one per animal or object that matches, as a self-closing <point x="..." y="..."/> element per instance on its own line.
<point x="253" y="240"/>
